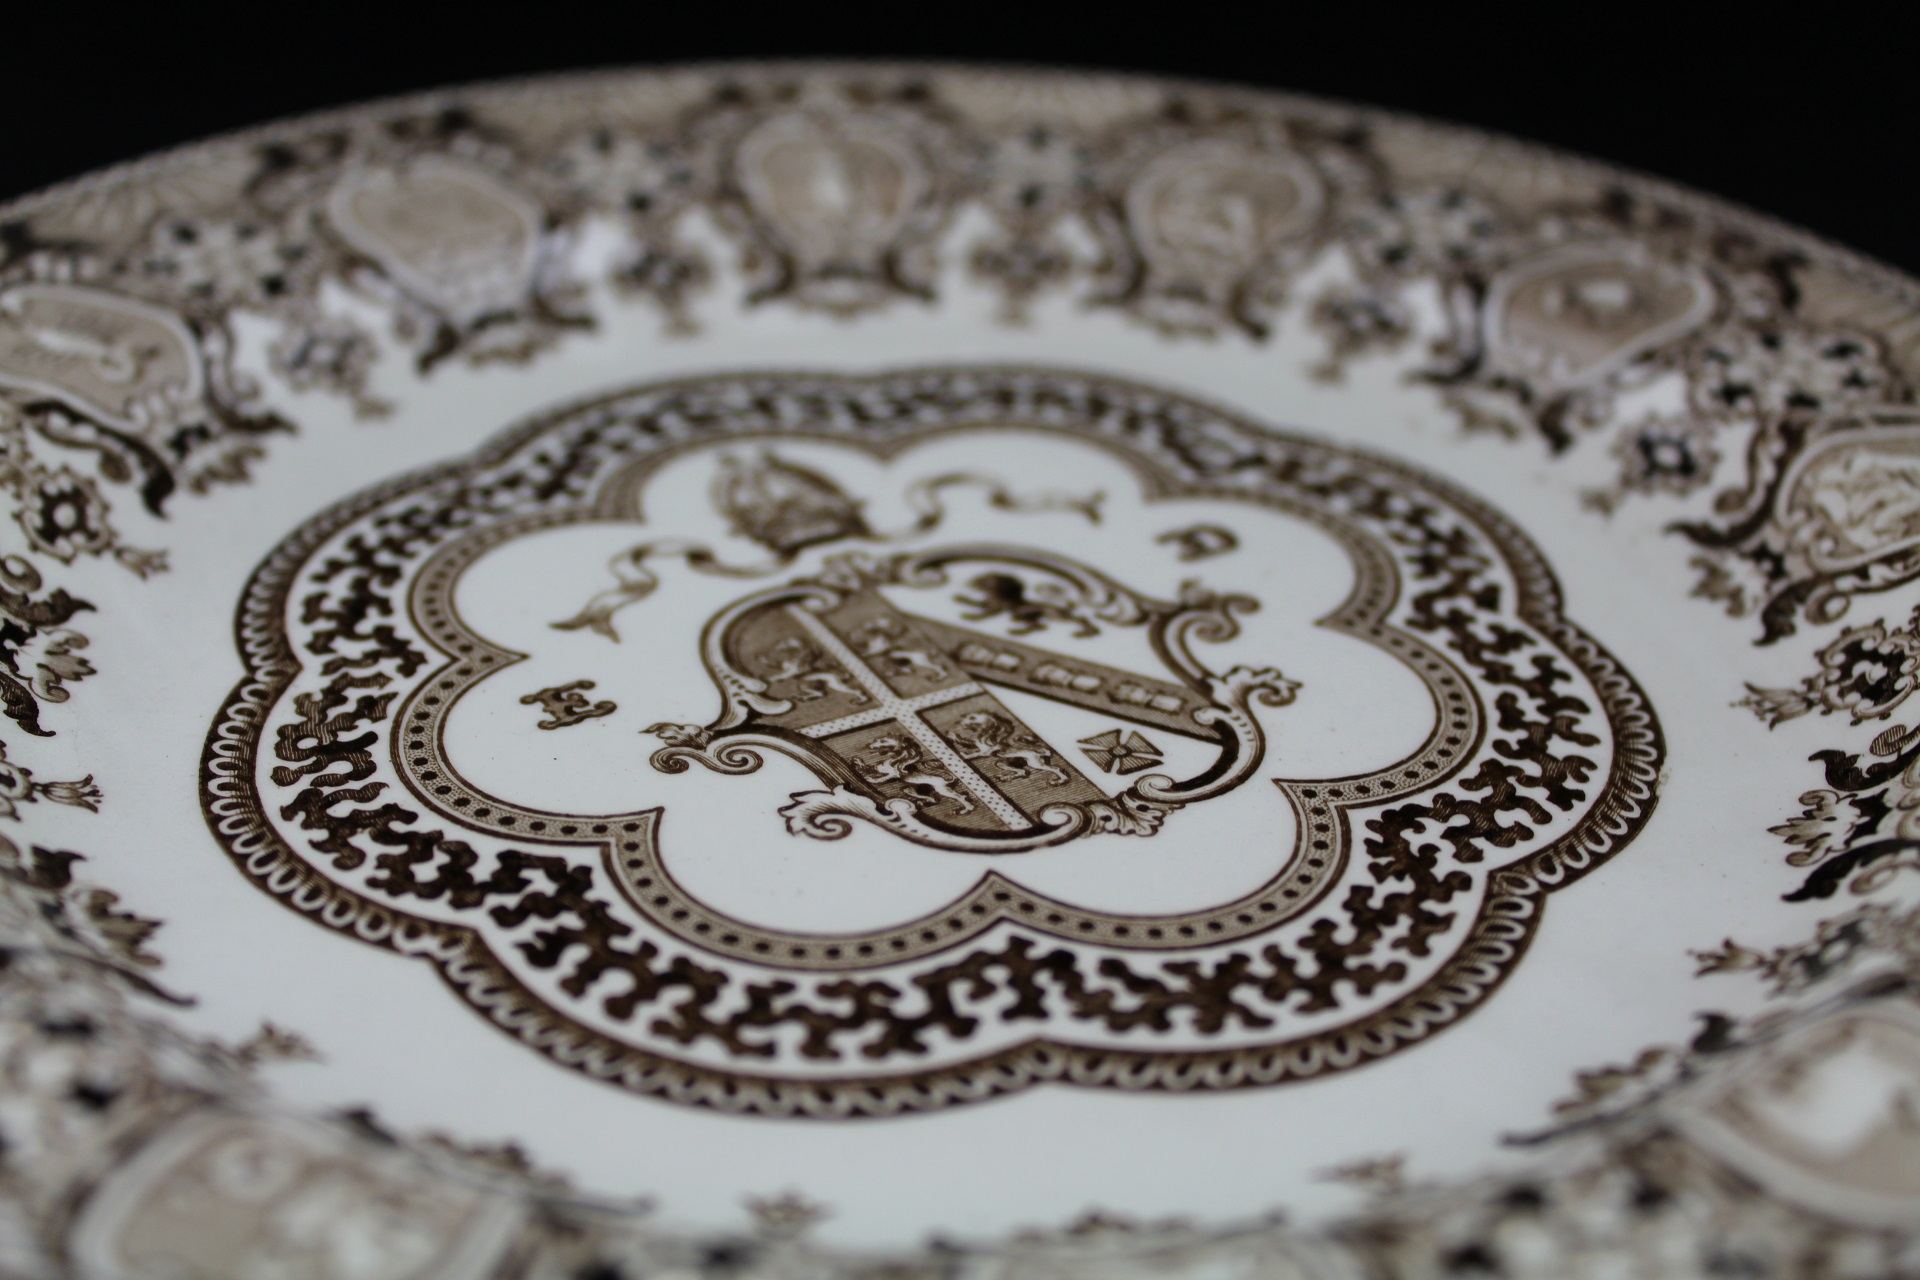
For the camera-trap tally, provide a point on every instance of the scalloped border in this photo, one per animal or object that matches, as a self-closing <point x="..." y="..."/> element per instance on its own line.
<point x="1508" y="914"/>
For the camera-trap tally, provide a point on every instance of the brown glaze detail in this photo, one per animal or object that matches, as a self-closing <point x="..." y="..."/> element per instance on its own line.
<point x="1320" y="807"/>
<point x="1077" y="682"/>
<point x="556" y="886"/>
<point x="566" y="705"/>
<point x="920" y="780"/>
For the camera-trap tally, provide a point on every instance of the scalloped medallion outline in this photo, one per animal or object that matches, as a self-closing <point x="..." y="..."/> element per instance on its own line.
<point x="1180" y="447"/>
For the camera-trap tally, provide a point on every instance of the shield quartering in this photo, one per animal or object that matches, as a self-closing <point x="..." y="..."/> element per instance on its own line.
<point x="901" y="715"/>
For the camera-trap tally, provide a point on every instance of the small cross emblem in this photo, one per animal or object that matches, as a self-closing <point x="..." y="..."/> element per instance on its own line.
<point x="1116" y="756"/>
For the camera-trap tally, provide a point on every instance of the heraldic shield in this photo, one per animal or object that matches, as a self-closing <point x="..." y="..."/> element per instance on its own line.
<point x="902" y="716"/>
<point x="674" y="731"/>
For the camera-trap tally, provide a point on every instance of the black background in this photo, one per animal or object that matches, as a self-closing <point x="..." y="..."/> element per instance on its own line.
<point x="1803" y="111"/>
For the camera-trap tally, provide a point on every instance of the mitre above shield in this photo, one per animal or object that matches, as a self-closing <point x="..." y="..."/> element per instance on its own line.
<point x="783" y="506"/>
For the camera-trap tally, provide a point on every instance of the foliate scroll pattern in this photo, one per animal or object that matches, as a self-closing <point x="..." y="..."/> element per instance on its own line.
<point x="236" y="230"/>
<point x="1421" y="891"/>
<point x="1563" y="320"/>
<point x="119" y="1127"/>
<point x="459" y="221"/>
<point x="1861" y="829"/>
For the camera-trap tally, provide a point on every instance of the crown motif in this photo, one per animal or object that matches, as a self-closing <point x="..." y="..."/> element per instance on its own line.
<point x="783" y="506"/>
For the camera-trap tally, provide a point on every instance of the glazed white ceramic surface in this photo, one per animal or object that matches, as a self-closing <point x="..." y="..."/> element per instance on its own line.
<point x="497" y="578"/>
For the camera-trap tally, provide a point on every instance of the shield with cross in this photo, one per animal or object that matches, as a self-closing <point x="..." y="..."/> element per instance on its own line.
<point x="906" y="719"/>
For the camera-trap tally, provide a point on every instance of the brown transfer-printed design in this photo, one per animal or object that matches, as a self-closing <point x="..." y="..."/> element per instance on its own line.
<point x="1803" y="335"/>
<point x="566" y="705"/>
<point x="920" y="744"/>
<point x="1539" y="764"/>
<point x="146" y="1146"/>
<point x="1562" y="287"/>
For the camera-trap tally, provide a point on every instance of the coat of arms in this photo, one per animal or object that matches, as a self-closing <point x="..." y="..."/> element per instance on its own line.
<point x="705" y="823"/>
<point x="901" y="715"/>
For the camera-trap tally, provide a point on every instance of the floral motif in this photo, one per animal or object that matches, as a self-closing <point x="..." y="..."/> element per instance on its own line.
<point x="222" y="263"/>
<point x="330" y="353"/>
<point x="650" y="184"/>
<point x="1660" y="454"/>
<point x="17" y="787"/>
<point x="1865" y="825"/>
<point x="1820" y="512"/>
<point x="1627" y="1180"/>
<point x="64" y="515"/>
<point x="1827" y="821"/>
<point x="1426" y="232"/>
<point x="1837" y="944"/>
<point x="1766" y="374"/>
<point x="1356" y="322"/>
<point x="1866" y="672"/>
<point x="36" y="649"/>
<point x="1830" y="512"/>
<point x="1033" y="182"/>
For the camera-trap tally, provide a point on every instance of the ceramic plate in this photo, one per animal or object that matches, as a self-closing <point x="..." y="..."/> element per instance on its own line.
<point x="887" y="670"/>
